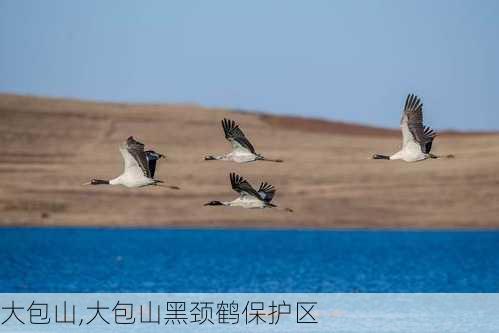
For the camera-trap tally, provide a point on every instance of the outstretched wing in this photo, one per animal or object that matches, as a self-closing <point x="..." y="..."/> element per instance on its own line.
<point x="430" y="133"/>
<point x="266" y="192"/>
<point x="152" y="157"/>
<point x="136" y="150"/>
<point x="236" y="136"/>
<point x="412" y="122"/>
<point x="241" y="186"/>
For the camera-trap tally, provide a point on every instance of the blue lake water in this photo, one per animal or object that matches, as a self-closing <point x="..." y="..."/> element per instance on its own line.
<point x="157" y="260"/>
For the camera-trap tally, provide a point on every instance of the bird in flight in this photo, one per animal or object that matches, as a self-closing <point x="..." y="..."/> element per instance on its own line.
<point x="242" y="149"/>
<point x="139" y="167"/>
<point x="417" y="139"/>
<point x="248" y="196"/>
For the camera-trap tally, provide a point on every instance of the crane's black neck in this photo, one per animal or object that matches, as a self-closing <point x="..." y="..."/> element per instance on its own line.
<point x="99" y="182"/>
<point x="380" y="157"/>
<point x="214" y="203"/>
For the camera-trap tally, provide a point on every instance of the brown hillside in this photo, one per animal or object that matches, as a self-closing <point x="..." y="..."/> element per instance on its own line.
<point x="51" y="146"/>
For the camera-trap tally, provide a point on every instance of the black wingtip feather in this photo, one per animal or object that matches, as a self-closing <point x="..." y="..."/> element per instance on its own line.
<point x="265" y="187"/>
<point x="266" y="191"/>
<point x="235" y="179"/>
<point x="228" y="126"/>
<point x="429" y="132"/>
<point x="412" y="102"/>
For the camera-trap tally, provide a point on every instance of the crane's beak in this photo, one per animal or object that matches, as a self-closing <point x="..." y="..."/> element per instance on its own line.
<point x="162" y="156"/>
<point x="89" y="183"/>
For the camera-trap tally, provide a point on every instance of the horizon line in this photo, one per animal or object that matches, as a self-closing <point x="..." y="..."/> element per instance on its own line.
<point x="262" y="113"/>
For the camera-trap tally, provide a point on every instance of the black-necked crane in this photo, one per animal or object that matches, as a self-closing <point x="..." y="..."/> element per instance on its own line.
<point x="242" y="149"/>
<point x="417" y="139"/>
<point x="139" y="167"/>
<point x="248" y="196"/>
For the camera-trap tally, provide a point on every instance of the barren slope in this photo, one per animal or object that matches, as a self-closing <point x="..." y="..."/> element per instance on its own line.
<point x="50" y="147"/>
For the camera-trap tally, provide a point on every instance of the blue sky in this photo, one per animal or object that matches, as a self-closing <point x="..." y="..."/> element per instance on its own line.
<point x="344" y="60"/>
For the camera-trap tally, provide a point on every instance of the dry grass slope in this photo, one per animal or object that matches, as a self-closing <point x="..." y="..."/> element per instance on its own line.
<point x="51" y="146"/>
